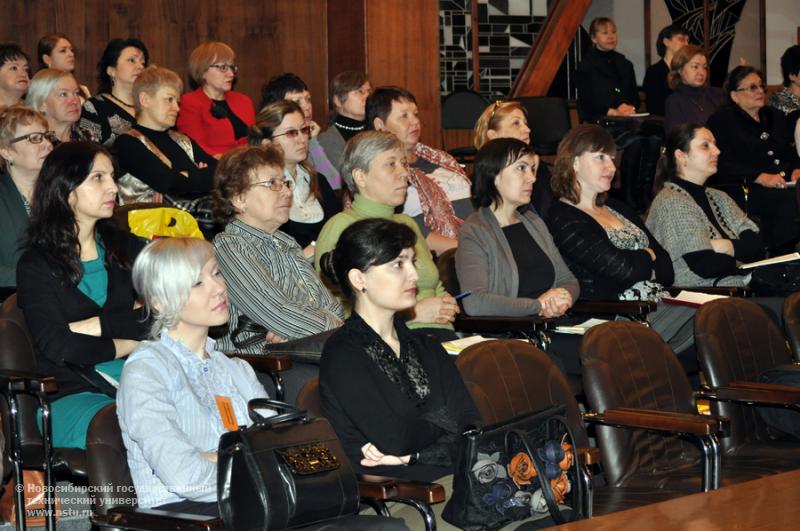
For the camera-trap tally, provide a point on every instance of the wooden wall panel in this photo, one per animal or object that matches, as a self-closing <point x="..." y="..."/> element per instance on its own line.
<point x="269" y="37"/>
<point x="403" y="49"/>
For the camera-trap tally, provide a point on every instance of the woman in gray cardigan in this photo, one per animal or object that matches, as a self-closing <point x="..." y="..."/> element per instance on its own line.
<point x="506" y="256"/>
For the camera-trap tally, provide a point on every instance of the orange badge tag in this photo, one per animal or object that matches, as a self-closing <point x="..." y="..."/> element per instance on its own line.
<point x="226" y="412"/>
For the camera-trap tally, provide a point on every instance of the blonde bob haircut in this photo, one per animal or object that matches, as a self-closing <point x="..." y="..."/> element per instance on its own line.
<point x="163" y="276"/>
<point x="42" y="84"/>
<point x="207" y="54"/>
<point x="150" y="80"/>
<point x="491" y="117"/>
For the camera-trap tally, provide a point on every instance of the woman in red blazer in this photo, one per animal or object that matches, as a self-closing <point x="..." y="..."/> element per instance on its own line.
<point x="214" y="116"/>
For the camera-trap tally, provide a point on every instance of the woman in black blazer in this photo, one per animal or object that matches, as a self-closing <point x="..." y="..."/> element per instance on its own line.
<point x="74" y="285"/>
<point x="604" y="242"/>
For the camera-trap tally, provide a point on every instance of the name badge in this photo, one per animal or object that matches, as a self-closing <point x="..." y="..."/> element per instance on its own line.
<point x="226" y="412"/>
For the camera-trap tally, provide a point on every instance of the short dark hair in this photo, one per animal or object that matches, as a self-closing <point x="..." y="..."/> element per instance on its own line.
<point x="790" y="63"/>
<point x="10" y="51"/>
<point x="736" y="76"/>
<point x="110" y="57"/>
<point x="279" y="86"/>
<point x="585" y="138"/>
<point x="490" y="160"/>
<point x="365" y="243"/>
<point x="667" y="33"/>
<point x="379" y="103"/>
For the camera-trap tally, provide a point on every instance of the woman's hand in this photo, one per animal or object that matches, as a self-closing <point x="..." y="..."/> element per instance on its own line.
<point x="722" y="246"/>
<point x="315" y="128"/>
<point x="771" y="180"/>
<point x="555" y="302"/>
<point x="374" y="457"/>
<point x="795" y="173"/>
<point x="651" y="252"/>
<point x="209" y="456"/>
<point x="274" y="338"/>
<point x="308" y="251"/>
<point x="623" y="110"/>
<point x="439" y="310"/>
<point x="90" y="327"/>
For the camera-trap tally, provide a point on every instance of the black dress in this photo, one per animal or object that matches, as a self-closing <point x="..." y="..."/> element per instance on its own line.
<point x="747" y="149"/>
<point x="415" y="403"/>
<point x="104" y="119"/>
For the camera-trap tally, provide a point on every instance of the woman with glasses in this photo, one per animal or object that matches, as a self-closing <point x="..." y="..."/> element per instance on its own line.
<point x="270" y="282"/>
<point x="213" y="115"/>
<point x="57" y="95"/>
<point x="157" y="163"/>
<point x="111" y="112"/>
<point x="24" y="143"/>
<point x="692" y="100"/>
<point x="757" y="153"/>
<point x="283" y="124"/>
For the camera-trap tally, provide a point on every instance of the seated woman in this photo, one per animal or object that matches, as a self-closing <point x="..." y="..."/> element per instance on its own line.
<point x="506" y="256"/>
<point x="756" y="150"/>
<point x="393" y="396"/>
<point x="74" y="284"/>
<point x="347" y="101"/>
<point x="176" y="376"/>
<point x="215" y="116"/>
<point x="111" y="111"/>
<point x="269" y="280"/>
<point x="655" y="84"/>
<point x="288" y="86"/>
<point x="157" y="163"/>
<point x="24" y="143"/>
<point x="15" y="72"/>
<point x="375" y="171"/>
<point x="438" y="191"/>
<point x="703" y="229"/>
<point x="283" y="124"/>
<point x="788" y="98"/>
<point x="605" y="243"/>
<point x="608" y="95"/>
<point x="55" y="50"/>
<point x="692" y="100"/>
<point x="508" y="119"/>
<point x="57" y="95"/>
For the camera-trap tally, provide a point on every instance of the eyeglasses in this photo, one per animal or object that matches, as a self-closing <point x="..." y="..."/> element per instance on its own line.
<point x="276" y="185"/>
<point x="293" y="133"/>
<point x="224" y="67"/>
<point x="36" y="138"/>
<point x="751" y="88"/>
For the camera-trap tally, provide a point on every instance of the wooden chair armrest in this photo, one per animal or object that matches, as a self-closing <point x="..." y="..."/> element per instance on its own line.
<point x="272" y="362"/>
<point x="754" y="393"/>
<point x="498" y="325"/>
<point x="386" y="488"/>
<point x="156" y="520"/>
<point x="613" y="307"/>
<point x="27" y="382"/>
<point x="588" y="456"/>
<point x="668" y="421"/>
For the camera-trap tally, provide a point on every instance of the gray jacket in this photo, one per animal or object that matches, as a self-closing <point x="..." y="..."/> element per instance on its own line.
<point x="485" y="266"/>
<point x="333" y="143"/>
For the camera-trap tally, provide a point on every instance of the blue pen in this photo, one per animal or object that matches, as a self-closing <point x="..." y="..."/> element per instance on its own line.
<point x="462" y="295"/>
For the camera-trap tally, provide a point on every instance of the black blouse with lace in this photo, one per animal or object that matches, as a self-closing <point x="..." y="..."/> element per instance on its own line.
<point x="416" y="402"/>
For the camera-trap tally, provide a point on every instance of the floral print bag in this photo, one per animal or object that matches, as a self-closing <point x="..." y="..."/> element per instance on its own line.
<point x="520" y="469"/>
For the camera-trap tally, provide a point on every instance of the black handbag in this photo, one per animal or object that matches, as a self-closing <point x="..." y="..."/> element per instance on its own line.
<point x="516" y="470"/>
<point x="283" y="471"/>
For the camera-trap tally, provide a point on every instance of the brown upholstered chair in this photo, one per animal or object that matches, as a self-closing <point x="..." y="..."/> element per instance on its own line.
<point x="736" y="341"/>
<point x="791" y="323"/>
<point x="628" y="366"/>
<point x="508" y="378"/>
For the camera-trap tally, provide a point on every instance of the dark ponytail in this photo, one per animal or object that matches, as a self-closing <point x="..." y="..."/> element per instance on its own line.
<point x="365" y="243"/>
<point x="678" y="138"/>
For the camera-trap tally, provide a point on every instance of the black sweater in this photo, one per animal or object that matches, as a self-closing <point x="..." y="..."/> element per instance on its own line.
<point x="364" y="404"/>
<point x="50" y="302"/>
<point x="603" y="270"/>
<point x="605" y="81"/>
<point x="656" y="88"/>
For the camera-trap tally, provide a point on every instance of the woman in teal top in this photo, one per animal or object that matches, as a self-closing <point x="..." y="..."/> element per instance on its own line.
<point x="24" y="143"/>
<point x="74" y="285"/>
<point x="374" y="168"/>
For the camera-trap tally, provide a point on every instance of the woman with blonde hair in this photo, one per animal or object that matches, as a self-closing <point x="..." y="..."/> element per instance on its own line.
<point x="282" y="124"/>
<point x="213" y="115"/>
<point x="57" y="95"/>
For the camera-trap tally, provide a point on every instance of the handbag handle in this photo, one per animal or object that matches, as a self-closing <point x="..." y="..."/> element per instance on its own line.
<point x="544" y="483"/>
<point x="286" y="412"/>
<point x="247" y="325"/>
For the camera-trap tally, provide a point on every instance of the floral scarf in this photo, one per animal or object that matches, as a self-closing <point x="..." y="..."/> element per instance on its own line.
<point x="437" y="210"/>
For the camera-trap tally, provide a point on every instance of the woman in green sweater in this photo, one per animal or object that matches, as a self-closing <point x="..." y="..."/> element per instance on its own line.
<point x="375" y="170"/>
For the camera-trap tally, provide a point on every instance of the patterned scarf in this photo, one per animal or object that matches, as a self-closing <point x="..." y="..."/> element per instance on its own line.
<point x="437" y="210"/>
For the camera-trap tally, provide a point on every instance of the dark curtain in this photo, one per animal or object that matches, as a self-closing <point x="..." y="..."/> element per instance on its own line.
<point x="723" y="16"/>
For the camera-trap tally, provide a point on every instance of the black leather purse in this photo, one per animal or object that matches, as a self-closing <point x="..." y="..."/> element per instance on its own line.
<point x="520" y="469"/>
<point x="283" y="471"/>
